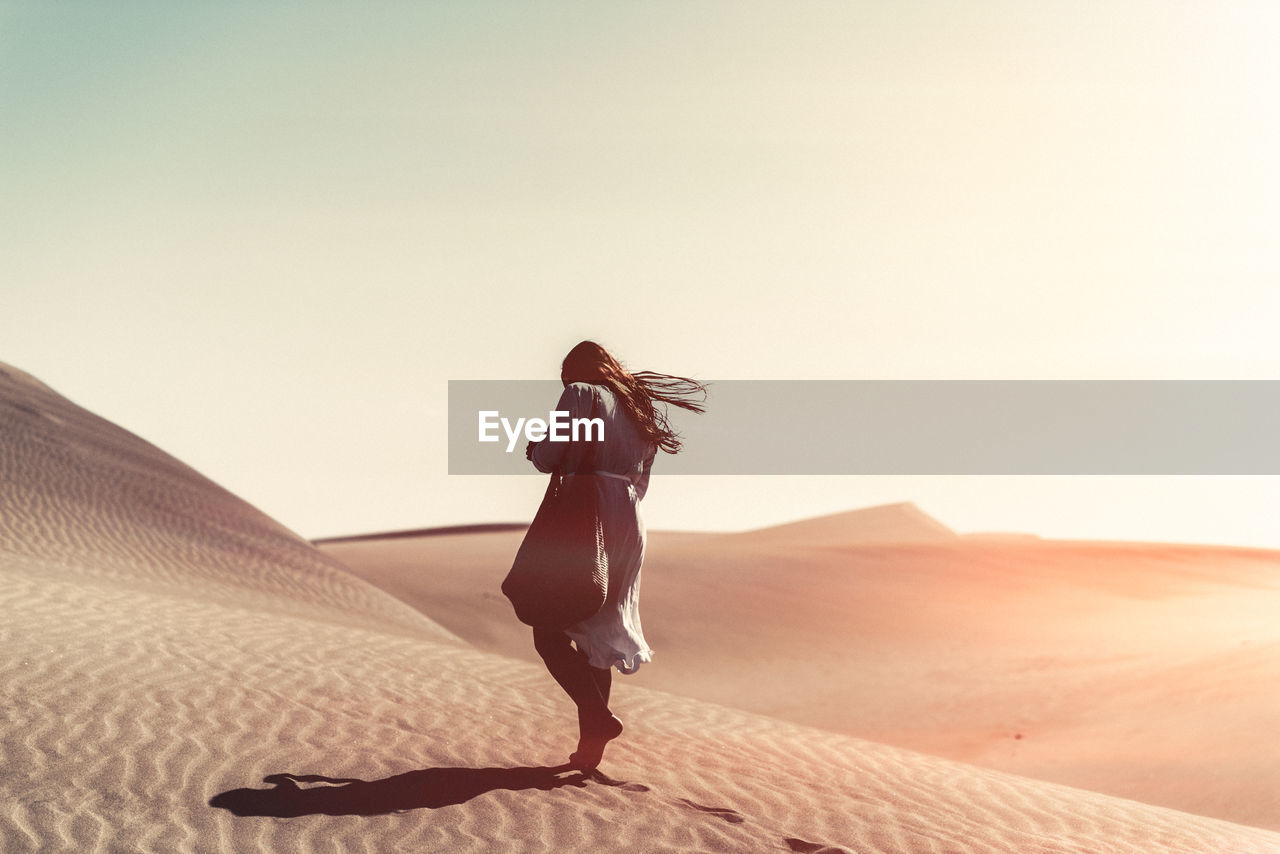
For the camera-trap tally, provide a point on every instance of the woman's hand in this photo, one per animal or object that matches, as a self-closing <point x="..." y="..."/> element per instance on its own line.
<point x="528" y="451"/>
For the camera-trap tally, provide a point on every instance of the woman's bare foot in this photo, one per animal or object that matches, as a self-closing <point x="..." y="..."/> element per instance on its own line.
<point x="591" y="745"/>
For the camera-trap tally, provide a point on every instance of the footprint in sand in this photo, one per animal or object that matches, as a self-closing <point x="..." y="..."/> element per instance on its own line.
<point x="731" y="816"/>
<point x="598" y="776"/>
<point x="728" y="815"/>
<point x="803" y="847"/>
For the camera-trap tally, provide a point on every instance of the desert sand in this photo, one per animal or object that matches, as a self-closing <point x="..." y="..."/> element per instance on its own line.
<point x="1145" y="671"/>
<point x="181" y="673"/>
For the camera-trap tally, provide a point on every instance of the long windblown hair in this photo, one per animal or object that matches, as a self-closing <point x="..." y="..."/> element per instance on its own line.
<point x="588" y="362"/>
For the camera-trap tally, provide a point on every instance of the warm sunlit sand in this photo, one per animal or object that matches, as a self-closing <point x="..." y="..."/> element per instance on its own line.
<point x="183" y="674"/>
<point x="1139" y="670"/>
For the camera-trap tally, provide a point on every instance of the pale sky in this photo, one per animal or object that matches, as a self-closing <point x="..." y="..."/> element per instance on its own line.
<point x="265" y="235"/>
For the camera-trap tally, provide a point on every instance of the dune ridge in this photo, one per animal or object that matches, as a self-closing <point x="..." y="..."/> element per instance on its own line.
<point x="213" y="686"/>
<point x="900" y="522"/>
<point x="83" y="497"/>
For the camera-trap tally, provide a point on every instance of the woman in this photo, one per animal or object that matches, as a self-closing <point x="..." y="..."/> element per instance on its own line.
<point x="581" y="657"/>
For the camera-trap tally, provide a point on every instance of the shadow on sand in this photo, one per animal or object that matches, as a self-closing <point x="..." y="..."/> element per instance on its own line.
<point x="311" y="794"/>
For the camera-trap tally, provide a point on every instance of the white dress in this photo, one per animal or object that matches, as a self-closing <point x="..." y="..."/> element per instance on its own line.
<point x="613" y="636"/>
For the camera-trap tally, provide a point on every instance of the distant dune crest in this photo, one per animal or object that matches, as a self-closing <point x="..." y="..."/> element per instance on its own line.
<point x="902" y="522"/>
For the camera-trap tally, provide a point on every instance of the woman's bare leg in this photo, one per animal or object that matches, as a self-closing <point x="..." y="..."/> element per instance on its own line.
<point x="588" y="687"/>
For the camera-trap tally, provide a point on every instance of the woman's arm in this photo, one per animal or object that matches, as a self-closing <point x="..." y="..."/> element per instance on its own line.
<point x="576" y="399"/>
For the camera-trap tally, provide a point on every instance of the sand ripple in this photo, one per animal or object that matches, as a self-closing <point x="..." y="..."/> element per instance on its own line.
<point x="82" y="497"/>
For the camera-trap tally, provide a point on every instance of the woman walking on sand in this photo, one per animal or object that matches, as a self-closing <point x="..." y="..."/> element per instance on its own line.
<point x="581" y="658"/>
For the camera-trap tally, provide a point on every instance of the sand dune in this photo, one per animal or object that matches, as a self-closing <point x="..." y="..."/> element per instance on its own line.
<point x="182" y="674"/>
<point x="83" y="499"/>
<point x="1141" y="670"/>
<point x="888" y="523"/>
